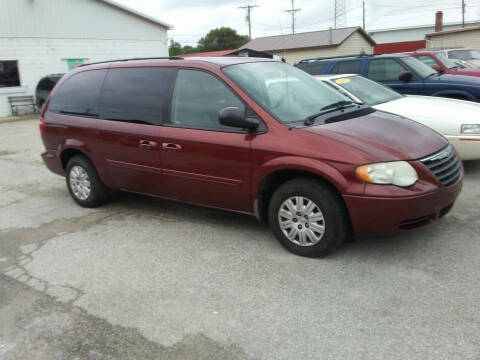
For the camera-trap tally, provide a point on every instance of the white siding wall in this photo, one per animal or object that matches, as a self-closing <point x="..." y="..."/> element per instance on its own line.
<point x="410" y="34"/>
<point x="42" y="34"/>
<point x="355" y="44"/>
<point x="78" y="19"/>
<point x="468" y="39"/>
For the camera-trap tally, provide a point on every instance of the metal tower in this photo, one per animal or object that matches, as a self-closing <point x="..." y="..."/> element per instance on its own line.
<point x="340" y="14"/>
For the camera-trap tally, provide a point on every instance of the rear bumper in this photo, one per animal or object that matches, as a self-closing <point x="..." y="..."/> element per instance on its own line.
<point x="53" y="162"/>
<point x="388" y="216"/>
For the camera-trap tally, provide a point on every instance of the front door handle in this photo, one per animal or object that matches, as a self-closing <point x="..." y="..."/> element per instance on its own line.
<point x="171" y="146"/>
<point x="147" y="144"/>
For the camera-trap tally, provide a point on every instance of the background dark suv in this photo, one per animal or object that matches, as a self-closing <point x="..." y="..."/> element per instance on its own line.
<point x="401" y="72"/>
<point x="44" y="87"/>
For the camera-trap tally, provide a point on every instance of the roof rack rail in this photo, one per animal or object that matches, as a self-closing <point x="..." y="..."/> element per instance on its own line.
<point x="334" y="57"/>
<point x="134" y="59"/>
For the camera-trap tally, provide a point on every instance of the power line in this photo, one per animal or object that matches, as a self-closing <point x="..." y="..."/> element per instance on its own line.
<point x="248" y="18"/>
<point x="292" y="12"/>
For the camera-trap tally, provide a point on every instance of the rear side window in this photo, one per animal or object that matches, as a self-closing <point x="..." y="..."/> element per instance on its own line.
<point x="313" y="68"/>
<point x="198" y="98"/>
<point x="79" y="94"/>
<point x="347" y="67"/>
<point x="137" y="95"/>
<point x="428" y="60"/>
<point x="384" y="70"/>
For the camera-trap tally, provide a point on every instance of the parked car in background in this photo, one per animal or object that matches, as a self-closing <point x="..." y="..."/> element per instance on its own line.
<point x="249" y="135"/>
<point x="471" y="55"/>
<point x="457" y="120"/>
<point x="439" y="62"/>
<point x="44" y="87"/>
<point x="403" y="73"/>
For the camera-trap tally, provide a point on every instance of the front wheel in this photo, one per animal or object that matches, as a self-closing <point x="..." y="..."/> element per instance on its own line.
<point x="308" y="217"/>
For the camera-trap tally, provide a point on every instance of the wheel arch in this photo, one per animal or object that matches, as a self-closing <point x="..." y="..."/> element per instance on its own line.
<point x="277" y="176"/>
<point x="455" y="94"/>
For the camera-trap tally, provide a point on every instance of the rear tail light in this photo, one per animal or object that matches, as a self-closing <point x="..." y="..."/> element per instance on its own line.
<point x="42" y="125"/>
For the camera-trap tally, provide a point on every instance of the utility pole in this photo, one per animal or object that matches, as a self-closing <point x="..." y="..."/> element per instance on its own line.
<point x="363" y="4"/>
<point x="292" y="11"/>
<point x="463" y="13"/>
<point x="248" y="18"/>
<point x="340" y="15"/>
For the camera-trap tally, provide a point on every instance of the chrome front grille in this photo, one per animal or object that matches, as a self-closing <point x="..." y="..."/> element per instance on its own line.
<point x="445" y="165"/>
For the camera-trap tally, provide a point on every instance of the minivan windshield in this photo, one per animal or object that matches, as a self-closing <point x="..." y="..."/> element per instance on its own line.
<point x="288" y="93"/>
<point x="419" y="67"/>
<point x="370" y="92"/>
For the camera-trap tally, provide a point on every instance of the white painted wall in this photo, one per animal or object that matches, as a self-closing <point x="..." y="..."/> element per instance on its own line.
<point x="410" y="34"/>
<point x="42" y="34"/>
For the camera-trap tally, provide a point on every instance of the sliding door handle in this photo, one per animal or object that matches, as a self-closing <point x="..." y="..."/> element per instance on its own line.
<point x="171" y="146"/>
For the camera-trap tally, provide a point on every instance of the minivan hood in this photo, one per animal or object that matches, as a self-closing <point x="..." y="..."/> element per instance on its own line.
<point x="384" y="136"/>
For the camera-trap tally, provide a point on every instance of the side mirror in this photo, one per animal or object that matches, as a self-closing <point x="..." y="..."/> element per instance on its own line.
<point x="235" y="117"/>
<point x="438" y="69"/>
<point x="405" y="76"/>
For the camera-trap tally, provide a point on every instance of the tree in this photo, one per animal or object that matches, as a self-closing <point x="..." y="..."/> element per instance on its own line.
<point x="175" y="48"/>
<point x="223" y="38"/>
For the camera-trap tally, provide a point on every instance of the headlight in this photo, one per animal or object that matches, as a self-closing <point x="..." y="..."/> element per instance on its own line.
<point x="471" y="129"/>
<point x="399" y="173"/>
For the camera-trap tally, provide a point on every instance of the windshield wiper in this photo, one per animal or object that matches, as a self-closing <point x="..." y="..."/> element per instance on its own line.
<point x="339" y="105"/>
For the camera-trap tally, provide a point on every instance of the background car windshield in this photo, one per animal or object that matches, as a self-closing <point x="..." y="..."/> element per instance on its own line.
<point x="418" y="67"/>
<point x="465" y="54"/>
<point x="370" y="92"/>
<point x="289" y="94"/>
<point x="446" y="61"/>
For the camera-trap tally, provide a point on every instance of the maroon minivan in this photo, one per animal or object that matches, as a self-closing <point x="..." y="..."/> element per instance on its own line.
<point x="249" y="135"/>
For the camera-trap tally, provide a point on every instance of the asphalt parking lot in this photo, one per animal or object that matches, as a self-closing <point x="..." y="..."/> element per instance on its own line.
<point x="146" y="278"/>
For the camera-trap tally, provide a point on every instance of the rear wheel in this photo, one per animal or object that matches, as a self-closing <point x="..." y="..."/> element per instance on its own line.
<point x="84" y="184"/>
<point x="308" y="217"/>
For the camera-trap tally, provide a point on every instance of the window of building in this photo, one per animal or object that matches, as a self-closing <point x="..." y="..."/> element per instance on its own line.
<point x="428" y="60"/>
<point x="79" y="94"/>
<point x="137" y="94"/>
<point x="9" y="75"/>
<point x="347" y="67"/>
<point x="384" y="70"/>
<point x="198" y="98"/>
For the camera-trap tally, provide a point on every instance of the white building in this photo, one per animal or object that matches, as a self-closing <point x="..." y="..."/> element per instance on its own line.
<point x="41" y="37"/>
<point x="412" y="33"/>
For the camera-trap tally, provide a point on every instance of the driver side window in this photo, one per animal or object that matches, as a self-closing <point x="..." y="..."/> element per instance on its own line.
<point x="198" y="98"/>
<point x="384" y="70"/>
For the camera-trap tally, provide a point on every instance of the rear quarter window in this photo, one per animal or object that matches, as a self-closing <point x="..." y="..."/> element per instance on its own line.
<point x="347" y="67"/>
<point x="79" y="94"/>
<point x="313" y="68"/>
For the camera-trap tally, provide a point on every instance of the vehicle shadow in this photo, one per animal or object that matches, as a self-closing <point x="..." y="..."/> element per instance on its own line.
<point x="472" y="167"/>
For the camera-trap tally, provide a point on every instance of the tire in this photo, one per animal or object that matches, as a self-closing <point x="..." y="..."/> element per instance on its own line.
<point x="77" y="167"/>
<point x="329" y="211"/>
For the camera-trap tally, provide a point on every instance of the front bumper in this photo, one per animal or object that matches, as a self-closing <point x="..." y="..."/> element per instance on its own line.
<point x="387" y="216"/>
<point x="53" y="162"/>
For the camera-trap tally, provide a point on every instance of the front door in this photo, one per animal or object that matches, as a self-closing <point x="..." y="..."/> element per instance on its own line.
<point x="386" y="71"/>
<point x="203" y="161"/>
<point x="133" y="105"/>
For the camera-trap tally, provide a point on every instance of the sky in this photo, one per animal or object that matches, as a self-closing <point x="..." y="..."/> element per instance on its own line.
<point x="192" y="19"/>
